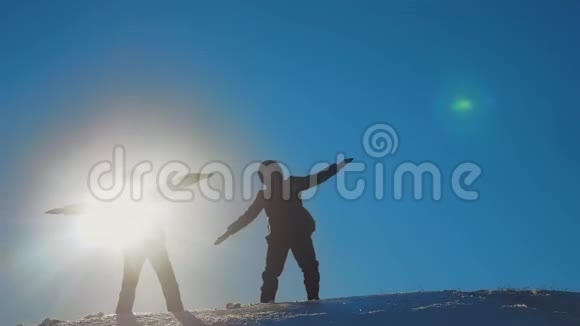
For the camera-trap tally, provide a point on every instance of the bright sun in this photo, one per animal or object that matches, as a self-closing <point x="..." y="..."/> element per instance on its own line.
<point x="119" y="224"/>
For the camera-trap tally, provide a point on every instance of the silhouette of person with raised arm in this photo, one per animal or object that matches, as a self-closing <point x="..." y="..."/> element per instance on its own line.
<point x="150" y="246"/>
<point x="290" y="226"/>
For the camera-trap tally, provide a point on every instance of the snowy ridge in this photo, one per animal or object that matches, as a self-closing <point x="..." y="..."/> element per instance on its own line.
<point x="447" y="308"/>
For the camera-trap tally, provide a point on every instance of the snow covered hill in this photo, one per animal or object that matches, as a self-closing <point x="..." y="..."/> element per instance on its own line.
<point x="447" y="308"/>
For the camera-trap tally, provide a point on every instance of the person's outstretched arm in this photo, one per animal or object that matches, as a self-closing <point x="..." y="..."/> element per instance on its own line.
<point x="193" y="178"/>
<point x="67" y="210"/>
<point x="307" y="182"/>
<point x="248" y="217"/>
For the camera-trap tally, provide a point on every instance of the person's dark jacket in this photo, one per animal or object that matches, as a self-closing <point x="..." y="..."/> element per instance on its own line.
<point x="283" y="205"/>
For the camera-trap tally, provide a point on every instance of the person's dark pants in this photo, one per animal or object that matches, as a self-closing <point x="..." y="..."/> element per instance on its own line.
<point x="303" y="251"/>
<point x="134" y="259"/>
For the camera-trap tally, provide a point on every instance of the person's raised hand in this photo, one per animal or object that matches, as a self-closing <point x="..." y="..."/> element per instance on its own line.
<point x="55" y="211"/>
<point x="222" y="238"/>
<point x="344" y="163"/>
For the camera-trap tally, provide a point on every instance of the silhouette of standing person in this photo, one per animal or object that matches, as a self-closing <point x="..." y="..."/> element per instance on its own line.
<point x="151" y="246"/>
<point x="290" y="226"/>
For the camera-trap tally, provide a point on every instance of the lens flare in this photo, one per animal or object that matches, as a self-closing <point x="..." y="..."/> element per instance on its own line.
<point x="119" y="225"/>
<point x="462" y="104"/>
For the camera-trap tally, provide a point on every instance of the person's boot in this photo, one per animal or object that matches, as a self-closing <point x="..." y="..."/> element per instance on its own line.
<point x="174" y="304"/>
<point x="266" y="297"/>
<point x="269" y="288"/>
<point x="312" y="285"/>
<point x="126" y="300"/>
<point x="173" y="298"/>
<point x="312" y="294"/>
<point x="175" y="307"/>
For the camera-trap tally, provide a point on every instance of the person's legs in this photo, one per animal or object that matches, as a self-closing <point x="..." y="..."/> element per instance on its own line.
<point x="133" y="262"/>
<point x="304" y="253"/>
<point x="275" y="260"/>
<point x="159" y="259"/>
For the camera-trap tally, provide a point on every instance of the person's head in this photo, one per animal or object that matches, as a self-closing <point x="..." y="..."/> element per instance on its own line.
<point x="270" y="172"/>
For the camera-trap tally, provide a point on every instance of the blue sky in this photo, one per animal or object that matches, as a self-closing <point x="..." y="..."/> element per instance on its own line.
<point x="299" y="82"/>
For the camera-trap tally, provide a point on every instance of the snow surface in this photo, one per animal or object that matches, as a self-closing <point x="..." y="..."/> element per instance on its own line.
<point x="447" y="308"/>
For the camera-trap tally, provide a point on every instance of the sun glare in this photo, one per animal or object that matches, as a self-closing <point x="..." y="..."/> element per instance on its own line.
<point x="118" y="225"/>
<point x="158" y="137"/>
